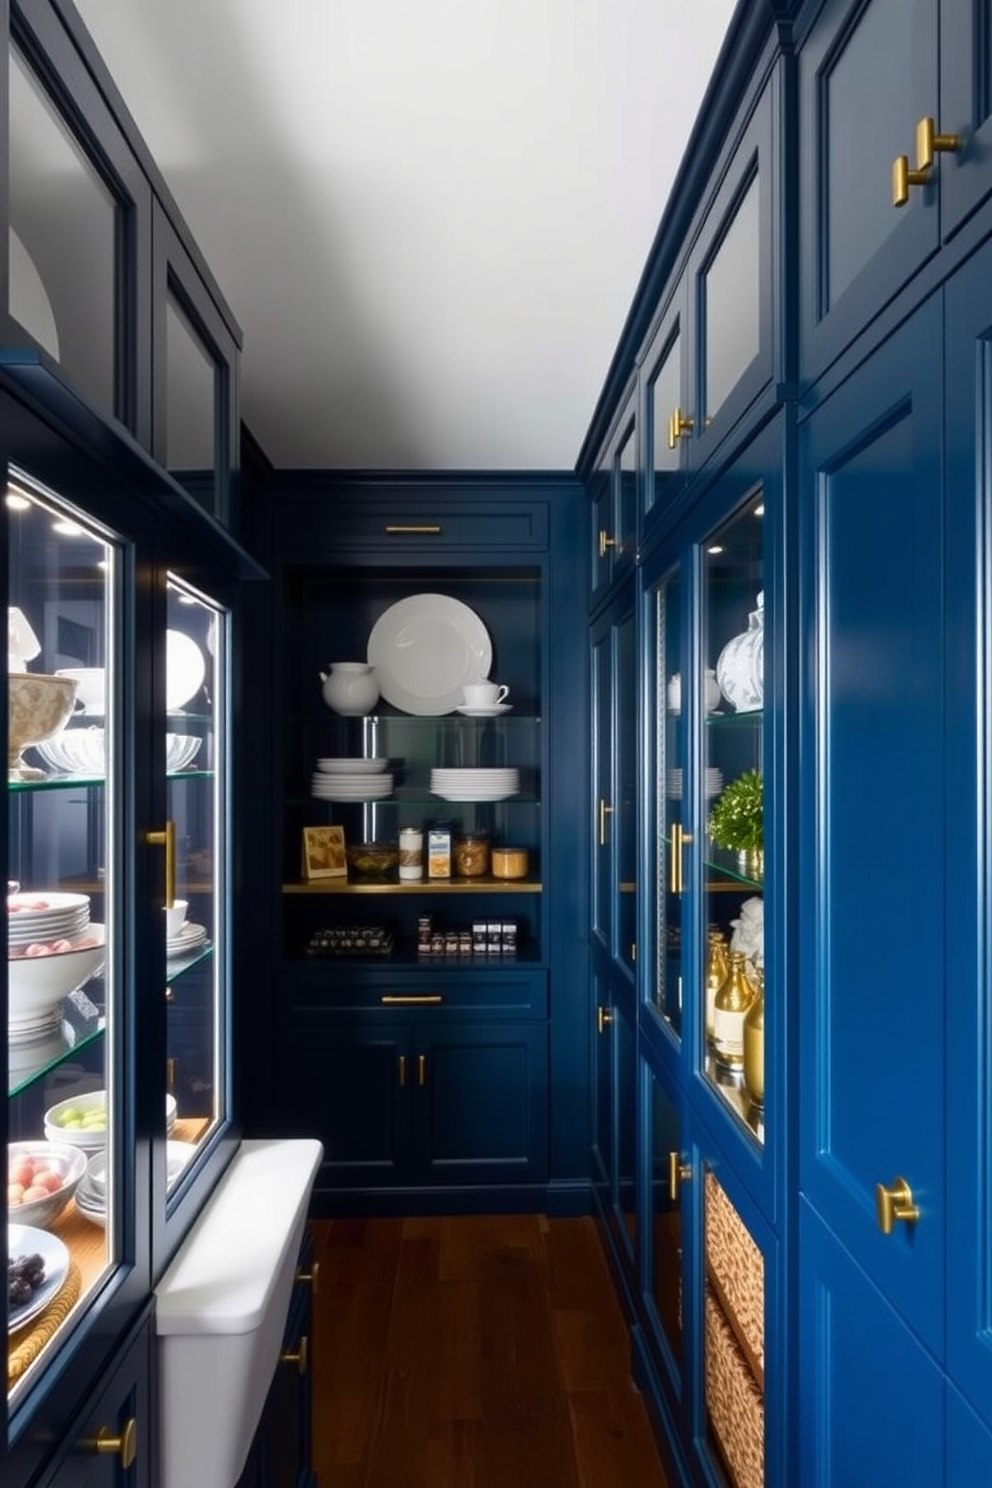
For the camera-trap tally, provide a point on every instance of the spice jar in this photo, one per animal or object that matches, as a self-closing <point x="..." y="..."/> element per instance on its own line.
<point x="510" y="862"/>
<point x="471" y="854"/>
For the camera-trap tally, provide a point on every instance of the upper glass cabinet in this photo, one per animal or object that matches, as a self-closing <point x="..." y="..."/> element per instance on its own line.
<point x="730" y="782"/>
<point x="197" y="693"/>
<point x="69" y="1202"/>
<point x="64" y="238"/>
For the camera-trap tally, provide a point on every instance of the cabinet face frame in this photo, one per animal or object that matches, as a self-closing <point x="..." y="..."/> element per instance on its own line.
<point x="965" y="109"/>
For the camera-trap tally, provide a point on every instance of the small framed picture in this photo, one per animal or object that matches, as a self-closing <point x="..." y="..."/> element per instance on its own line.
<point x="323" y="853"/>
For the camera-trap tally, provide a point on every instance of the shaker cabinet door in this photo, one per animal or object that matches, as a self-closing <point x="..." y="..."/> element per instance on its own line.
<point x="871" y="806"/>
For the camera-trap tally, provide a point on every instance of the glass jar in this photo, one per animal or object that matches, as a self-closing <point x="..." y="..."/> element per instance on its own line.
<point x="471" y="855"/>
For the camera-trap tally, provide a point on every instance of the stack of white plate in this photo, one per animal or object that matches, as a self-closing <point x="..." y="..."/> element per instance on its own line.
<point x="351" y="786"/>
<point x="187" y="939"/>
<point x="475" y="784"/>
<point x="91" y="1195"/>
<point x="351" y="766"/>
<point x="713" y="783"/>
<point x="43" y="917"/>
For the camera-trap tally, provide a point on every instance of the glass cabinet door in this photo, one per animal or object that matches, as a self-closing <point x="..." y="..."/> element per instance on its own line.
<point x="669" y="761"/>
<point x="196" y="751"/>
<point x="69" y="956"/>
<point x="730" y="785"/>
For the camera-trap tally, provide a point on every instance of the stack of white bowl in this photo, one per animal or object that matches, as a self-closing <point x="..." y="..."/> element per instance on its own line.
<point x="82" y="751"/>
<point x="713" y="783"/>
<point x="472" y="784"/>
<point x="351" y="780"/>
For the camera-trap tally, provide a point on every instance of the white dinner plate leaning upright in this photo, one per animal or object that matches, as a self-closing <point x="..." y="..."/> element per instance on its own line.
<point x="424" y="649"/>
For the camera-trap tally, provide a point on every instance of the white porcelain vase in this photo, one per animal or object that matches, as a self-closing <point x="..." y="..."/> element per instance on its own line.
<point x="740" y="667"/>
<point x="350" y="688"/>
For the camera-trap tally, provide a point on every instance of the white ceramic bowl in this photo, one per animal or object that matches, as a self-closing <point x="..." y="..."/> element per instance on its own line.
<point x="181" y="750"/>
<point x="91" y="686"/>
<point x="35" y="983"/>
<point x="63" y="1158"/>
<point x="90" y="1139"/>
<point x="82" y="751"/>
<point x="38" y="706"/>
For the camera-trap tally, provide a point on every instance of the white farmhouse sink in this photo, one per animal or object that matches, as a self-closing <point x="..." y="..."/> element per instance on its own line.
<point x="221" y="1309"/>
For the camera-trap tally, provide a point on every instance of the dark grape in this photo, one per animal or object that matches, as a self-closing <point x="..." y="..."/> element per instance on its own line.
<point x="25" y="1273"/>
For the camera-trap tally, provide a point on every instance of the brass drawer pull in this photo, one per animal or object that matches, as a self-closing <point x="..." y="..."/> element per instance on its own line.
<point x="312" y="1276"/>
<point x="299" y="1358"/>
<point x="411" y="999"/>
<point x="124" y="1446"/>
<point x="894" y="1202"/>
<point x="394" y="529"/>
<point x="167" y="839"/>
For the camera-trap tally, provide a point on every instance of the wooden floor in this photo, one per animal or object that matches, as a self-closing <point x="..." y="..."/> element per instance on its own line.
<point x="481" y="1352"/>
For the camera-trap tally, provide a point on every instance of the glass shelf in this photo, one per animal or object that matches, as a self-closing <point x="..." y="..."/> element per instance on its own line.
<point x="422" y="799"/>
<point x="82" y="1024"/>
<point x="83" y="782"/>
<point x="726" y="721"/>
<point x="177" y="965"/>
<point x="482" y="885"/>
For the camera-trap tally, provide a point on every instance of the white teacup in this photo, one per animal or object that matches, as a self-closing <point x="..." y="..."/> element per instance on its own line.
<point x="175" y="917"/>
<point x="484" y="694"/>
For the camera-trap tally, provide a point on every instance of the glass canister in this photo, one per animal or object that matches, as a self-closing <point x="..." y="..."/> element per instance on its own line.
<point x="470" y="854"/>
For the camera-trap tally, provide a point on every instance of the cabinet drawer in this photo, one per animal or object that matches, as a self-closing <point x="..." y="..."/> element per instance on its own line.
<point x="433" y="990"/>
<point x="413" y="529"/>
<point x="734" y="1402"/>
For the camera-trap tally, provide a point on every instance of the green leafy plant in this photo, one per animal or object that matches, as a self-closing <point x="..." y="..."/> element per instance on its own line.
<point x="737" y="820"/>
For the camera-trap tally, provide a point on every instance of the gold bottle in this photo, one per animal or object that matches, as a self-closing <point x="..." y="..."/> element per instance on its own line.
<point x="717" y="969"/>
<point x="754" y="1045"/>
<point x="731" y="1004"/>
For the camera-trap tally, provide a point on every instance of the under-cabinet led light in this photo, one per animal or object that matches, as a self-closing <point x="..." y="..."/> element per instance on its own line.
<point x="17" y="502"/>
<point x="759" y="510"/>
<point x="66" y="528"/>
<point x="716" y="548"/>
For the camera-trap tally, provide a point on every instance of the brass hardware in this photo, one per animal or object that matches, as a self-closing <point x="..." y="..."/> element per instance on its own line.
<point x="604" y="1016"/>
<point x="402" y="1069"/>
<point x="894" y="1202"/>
<point x="903" y="178"/>
<point x="427" y="530"/>
<point x="300" y="1357"/>
<point x="170" y="1074"/>
<point x="167" y="839"/>
<point x="929" y="142"/>
<point x="678" y="1173"/>
<point x="678" y="425"/>
<point x="679" y="840"/>
<point x="605" y="542"/>
<point x="124" y="1446"/>
<point x="633" y="950"/>
<point x="408" y="999"/>
<point x="312" y="1276"/>
<point x="421" y="1070"/>
<point x="604" y="812"/>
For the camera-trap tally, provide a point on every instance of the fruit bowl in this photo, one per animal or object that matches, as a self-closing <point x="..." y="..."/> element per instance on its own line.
<point x="53" y="1166"/>
<point x="37" y="983"/>
<point x="77" y="1120"/>
<point x="372" y="859"/>
<point x="38" y="706"/>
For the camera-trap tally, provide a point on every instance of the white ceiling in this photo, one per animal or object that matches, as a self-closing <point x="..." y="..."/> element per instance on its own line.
<point x="428" y="218"/>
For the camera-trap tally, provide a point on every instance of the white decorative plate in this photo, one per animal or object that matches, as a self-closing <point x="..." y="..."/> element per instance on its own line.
<point x="424" y="649"/>
<point x="26" y="1240"/>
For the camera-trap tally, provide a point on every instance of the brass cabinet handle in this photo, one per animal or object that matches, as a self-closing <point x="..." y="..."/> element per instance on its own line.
<point x="123" y="1446"/>
<point x="411" y="999"/>
<point x="894" y="1202"/>
<point x="421" y="1069"/>
<point x="300" y="1357"/>
<point x="605" y="542"/>
<point x="604" y="812"/>
<point x="678" y="425"/>
<point x="167" y="839"/>
<point x="928" y="144"/>
<point x="604" y="1016"/>
<point x="312" y="1276"/>
<point x="679" y="840"/>
<point x="678" y="1173"/>
<point x="402" y="1069"/>
<point x="432" y="529"/>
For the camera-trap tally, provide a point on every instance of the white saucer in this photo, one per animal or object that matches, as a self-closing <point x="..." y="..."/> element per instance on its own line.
<point x="492" y="712"/>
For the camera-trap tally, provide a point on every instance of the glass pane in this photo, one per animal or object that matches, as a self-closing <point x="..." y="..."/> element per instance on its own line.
<point x="732" y="301"/>
<point x="858" y="195"/>
<point x="66" y="1093"/>
<point x="196" y="954"/>
<point x="62" y="276"/>
<point x="627" y="494"/>
<point x="670" y="763"/>
<point x="626" y="815"/>
<point x="666" y="390"/>
<point x="604" y="525"/>
<point x="666" y="1216"/>
<point x="190" y="405"/>
<point x="734" y="1306"/>
<point x="732" y="787"/>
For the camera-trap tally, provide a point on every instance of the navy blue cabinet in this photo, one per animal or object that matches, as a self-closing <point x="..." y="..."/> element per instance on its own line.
<point x="965" y="107"/>
<point x="616" y="505"/>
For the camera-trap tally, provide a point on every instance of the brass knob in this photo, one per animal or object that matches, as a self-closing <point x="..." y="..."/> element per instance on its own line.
<point x="605" y="542"/>
<point x="894" y="1202"/>
<point x="604" y="812"/>
<point x="678" y="1173"/>
<point x="124" y="1446"/>
<point x="929" y="143"/>
<point x="678" y="425"/>
<point x="300" y="1357"/>
<point x="903" y="178"/>
<point x="312" y="1276"/>
<point x="604" y="1016"/>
